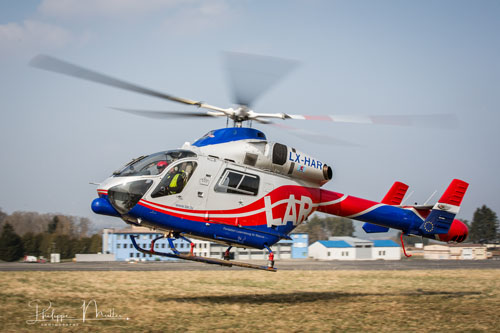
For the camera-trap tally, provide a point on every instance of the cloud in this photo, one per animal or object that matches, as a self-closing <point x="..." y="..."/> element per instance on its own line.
<point x="199" y="17"/>
<point x="177" y="16"/>
<point x="30" y="35"/>
<point x="71" y="9"/>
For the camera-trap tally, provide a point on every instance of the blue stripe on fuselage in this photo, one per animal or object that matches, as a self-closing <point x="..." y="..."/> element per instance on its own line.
<point x="227" y="233"/>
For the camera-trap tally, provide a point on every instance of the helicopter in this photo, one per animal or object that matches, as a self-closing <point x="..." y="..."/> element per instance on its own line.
<point x="235" y="187"/>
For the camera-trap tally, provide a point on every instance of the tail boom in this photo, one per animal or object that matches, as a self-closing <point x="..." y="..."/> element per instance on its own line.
<point x="437" y="223"/>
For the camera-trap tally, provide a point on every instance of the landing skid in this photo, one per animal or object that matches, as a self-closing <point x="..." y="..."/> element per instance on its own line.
<point x="176" y="254"/>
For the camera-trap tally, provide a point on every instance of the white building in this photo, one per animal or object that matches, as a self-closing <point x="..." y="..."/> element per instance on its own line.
<point x="331" y="250"/>
<point x="350" y="248"/>
<point x="386" y="249"/>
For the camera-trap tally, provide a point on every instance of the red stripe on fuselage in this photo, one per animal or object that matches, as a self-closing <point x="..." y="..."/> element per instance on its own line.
<point x="281" y="205"/>
<point x="346" y="207"/>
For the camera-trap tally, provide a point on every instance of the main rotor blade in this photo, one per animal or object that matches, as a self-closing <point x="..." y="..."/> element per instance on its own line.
<point x="170" y="114"/>
<point x="315" y="137"/>
<point x="448" y="121"/>
<point x="251" y="75"/>
<point x="60" y="66"/>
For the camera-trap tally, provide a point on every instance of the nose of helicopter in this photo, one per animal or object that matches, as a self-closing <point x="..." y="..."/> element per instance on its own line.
<point x="102" y="206"/>
<point x="125" y="196"/>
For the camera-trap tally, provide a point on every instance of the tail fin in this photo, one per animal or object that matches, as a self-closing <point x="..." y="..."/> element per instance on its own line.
<point x="396" y="194"/>
<point x="442" y="214"/>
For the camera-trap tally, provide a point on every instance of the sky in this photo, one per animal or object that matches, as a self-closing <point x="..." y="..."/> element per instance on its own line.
<point x="57" y="133"/>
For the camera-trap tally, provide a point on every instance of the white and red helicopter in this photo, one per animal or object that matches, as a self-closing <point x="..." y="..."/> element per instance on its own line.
<point x="235" y="187"/>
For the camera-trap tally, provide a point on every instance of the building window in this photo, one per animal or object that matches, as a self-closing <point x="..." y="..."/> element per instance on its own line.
<point x="131" y="255"/>
<point x="137" y="255"/>
<point x="329" y="254"/>
<point x="117" y="246"/>
<point x="150" y="236"/>
<point x="124" y="246"/>
<point x="163" y="245"/>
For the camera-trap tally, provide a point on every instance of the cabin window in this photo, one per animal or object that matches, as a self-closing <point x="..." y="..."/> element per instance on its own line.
<point x="175" y="179"/>
<point x="233" y="181"/>
<point x="153" y="164"/>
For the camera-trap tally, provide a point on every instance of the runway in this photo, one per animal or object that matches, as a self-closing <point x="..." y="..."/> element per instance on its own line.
<point x="287" y="265"/>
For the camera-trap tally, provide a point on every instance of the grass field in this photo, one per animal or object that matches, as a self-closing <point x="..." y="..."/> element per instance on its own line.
<point x="250" y="301"/>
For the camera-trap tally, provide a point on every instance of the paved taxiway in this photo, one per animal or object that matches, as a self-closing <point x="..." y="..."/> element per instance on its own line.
<point x="404" y="264"/>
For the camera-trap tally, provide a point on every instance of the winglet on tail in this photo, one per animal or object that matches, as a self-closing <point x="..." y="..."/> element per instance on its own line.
<point x="393" y="197"/>
<point x="453" y="196"/>
<point x="396" y="194"/>
<point x="444" y="211"/>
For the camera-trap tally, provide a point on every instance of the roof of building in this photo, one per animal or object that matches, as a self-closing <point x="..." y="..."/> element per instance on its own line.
<point x="350" y="240"/>
<point x="331" y="243"/>
<point x="384" y="243"/>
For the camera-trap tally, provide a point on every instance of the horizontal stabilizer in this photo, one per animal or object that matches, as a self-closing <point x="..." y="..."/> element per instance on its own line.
<point x="396" y="194"/>
<point x="373" y="228"/>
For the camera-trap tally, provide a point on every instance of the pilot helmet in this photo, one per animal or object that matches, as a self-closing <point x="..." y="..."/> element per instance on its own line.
<point x="161" y="165"/>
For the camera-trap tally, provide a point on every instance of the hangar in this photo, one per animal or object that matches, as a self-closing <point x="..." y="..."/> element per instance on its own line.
<point x="351" y="248"/>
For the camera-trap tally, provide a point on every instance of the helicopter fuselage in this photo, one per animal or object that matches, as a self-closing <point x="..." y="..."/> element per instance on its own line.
<point x="234" y="187"/>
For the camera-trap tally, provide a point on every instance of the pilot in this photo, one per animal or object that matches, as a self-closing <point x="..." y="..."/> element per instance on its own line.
<point x="160" y="166"/>
<point x="177" y="180"/>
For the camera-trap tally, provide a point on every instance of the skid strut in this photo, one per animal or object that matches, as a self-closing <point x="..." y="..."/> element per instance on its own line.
<point x="176" y="254"/>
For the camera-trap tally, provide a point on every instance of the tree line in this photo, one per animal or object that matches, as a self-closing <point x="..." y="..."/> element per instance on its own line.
<point x="484" y="227"/>
<point x="29" y="233"/>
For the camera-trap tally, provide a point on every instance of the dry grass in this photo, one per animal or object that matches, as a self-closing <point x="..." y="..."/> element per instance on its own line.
<point x="241" y="301"/>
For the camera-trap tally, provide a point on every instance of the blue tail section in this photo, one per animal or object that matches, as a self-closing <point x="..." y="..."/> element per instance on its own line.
<point x="438" y="222"/>
<point x="443" y="213"/>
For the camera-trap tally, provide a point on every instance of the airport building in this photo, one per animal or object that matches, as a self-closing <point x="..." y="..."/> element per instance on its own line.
<point x="456" y="252"/>
<point x="118" y="243"/>
<point x="350" y="248"/>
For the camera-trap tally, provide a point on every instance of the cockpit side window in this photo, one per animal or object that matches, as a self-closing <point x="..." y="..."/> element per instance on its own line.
<point x="175" y="180"/>
<point x="233" y="181"/>
<point x="153" y="164"/>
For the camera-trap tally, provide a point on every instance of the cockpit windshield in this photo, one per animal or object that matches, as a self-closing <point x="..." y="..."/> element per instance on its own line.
<point x="153" y="164"/>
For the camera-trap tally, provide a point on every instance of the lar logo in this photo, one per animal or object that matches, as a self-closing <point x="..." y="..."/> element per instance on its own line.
<point x="293" y="213"/>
